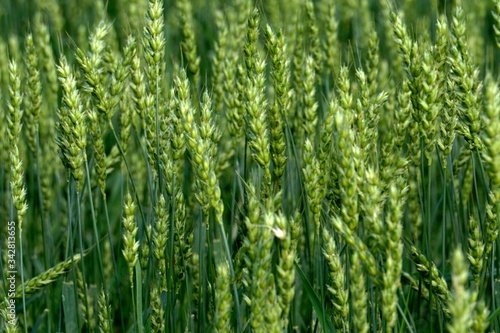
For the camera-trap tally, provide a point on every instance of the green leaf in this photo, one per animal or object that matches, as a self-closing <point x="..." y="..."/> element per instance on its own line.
<point x="138" y="279"/>
<point x="326" y="323"/>
<point x="70" y="307"/>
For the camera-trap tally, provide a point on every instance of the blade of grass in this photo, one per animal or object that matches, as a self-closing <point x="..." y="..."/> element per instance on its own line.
<point x="326" y="323"/>
<point x="70" y="307"/>
<point x="138" y="289"/>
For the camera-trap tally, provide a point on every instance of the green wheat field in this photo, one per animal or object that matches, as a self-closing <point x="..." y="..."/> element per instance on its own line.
<point x="240" y="166"/>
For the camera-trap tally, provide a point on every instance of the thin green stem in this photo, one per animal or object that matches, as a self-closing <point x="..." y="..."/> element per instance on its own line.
<point x="113" y="258"/>
<point x="138" y="279"/>
<point x="22" y="278"/>
<point x="80" y="240"/>
<point x="94" y="224"/>
<point x="46" y="232"/>
<point x="136" y="320"/>
<point x="69" y="247"/>
<point x="232" y="274"/>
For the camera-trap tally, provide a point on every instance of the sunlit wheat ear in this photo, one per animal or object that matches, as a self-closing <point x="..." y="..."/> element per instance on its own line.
<point x="372" y="65"/>
<point x="194" y="271"/>
<point x="47" y="128"/>
<point x="17" y="182"/>
<point x="18" y="187"/>
<point x="462" y="302"/>
<point x="371" y="208"/>
<point x="315" y="39"/>
<point x="178" y="145"/>
<point x="465" y="77"/>
<point x="96" y="130"/>
<point x="298" y="75"/>
<point x="332" y="50"/>
<point x="368" y="108"/>
<point x="130" y="244"/>
<point x="394" y="254"/>
<point x="359" y="304"/>
<point x="263" y="297"/>
<point x="187" y="27"/>
<point x="15" y="99"/>
<point x="401" y="38"/>
<point x="256" y="104"/>
<point x="480" y="321"/>
<point x="491" y="131"/>
<point x="223" y="299"/>
<point x="449" y="118"/>
<point x="10" y="324"/>
<point x="325" y="154"/>
<point x="160" y="234"/>
<point x="208" y="130"/>
<point x="309" y="101"/>
<point x="34" y="94"/>
<point x="72" y="136"/>
<point x="182" y="241"/>
<point x="154" y="47"/>
<point x="157" y="317"/>
<point x="402" y="114"/>
<point x="475" y="253"/>
<point x="154" y="55"/>
<point x="127" y="114"/>
<point x="85" y="301"/>
<point x="337" y="285"/>
<point x="254" y="274"/>
<point x="356" y="245"/>
<point x="491" y="153"/>
<point x="410" y="54"/>
<point x="92" y="64"/>
<point x="284" y="231"/>
<point x="235" y="86"/>
<point x="311" y="183"/>
<point x="431" y="277"/>
<point x="222" y="52"/>
<point x="47" y="277"/>
<point x="104" y="313"/>
<point x="429" y="105"/>
<point x="138" y="87"/>
<point x="185" y="112"/>
<point x="280" y="74"/>
<point x="347" y="160"/>
<point x="48" y="71"/>
<point x="491" y="221"/>
<point x="392" y="162"/>
<point x="496" y="16"/>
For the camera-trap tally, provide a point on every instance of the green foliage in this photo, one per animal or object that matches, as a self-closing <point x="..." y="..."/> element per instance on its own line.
<point x="241" y="166"/>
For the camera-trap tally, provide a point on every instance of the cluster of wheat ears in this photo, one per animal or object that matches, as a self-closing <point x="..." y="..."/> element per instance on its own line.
<point x="241" y="166"/>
